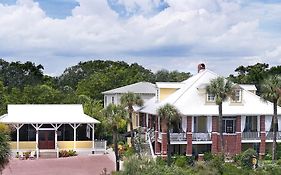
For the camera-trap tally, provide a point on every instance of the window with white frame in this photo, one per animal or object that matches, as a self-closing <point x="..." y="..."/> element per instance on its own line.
<point x="229" y="125"/>
<point x="210" y="97"/>
<point x="237" y="96"/>
<point x="112" y="100"/>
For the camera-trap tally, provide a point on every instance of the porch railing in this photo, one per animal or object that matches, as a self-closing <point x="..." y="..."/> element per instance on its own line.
<point x="201" y="136"/>
<point x="178" y="136"/>
<point x="100" y="145"/>
<point x="269" y="135"/>
<point x="250" y="135"/>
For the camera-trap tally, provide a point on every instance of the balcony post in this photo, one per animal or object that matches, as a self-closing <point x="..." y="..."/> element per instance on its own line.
<point x="262" y="136"/>
<point x="238" y="135"/>
<point x="157" y="144"/>
<point x="215" y="135"/>
<point x="189" y="136"/>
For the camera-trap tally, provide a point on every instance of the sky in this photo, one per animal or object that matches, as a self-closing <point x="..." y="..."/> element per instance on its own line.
<point x="158" y="34"/>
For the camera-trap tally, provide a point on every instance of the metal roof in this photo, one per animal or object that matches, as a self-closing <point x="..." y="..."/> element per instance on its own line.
<point x="138" y="88"/>
<point x="46" y="114"/>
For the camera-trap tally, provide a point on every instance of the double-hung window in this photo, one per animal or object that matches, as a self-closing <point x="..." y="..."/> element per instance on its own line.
<point x="237" y="96"/>
<point x="210" y="97"/>
<point x="229" y="125"/>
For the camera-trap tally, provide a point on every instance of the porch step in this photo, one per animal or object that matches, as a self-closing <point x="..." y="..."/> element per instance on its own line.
<point x="47" y="154"/>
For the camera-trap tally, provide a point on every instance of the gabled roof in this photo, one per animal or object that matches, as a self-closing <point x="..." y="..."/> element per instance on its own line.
<point x="138" y="88"/>
<point x="175" y="85"/>
<point x="46" y="114"/>
<point x="248" y="87"/>
<point x="189" y="100"/>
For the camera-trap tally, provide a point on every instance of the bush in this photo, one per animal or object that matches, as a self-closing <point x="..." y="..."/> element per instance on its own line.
<point x="208" y="156"/>
<point x="190" y="160"/>
<point x="268" y="156"/>
<point x="160" y="161"/>
<point x="181" y="161"/>
<point x="217" y="162"/>
<point x="65" y="153"/>
<point x="237" y="159"/>
<point x="247" y="157"/>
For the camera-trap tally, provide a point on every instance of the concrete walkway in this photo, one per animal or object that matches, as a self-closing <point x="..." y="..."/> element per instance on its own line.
<point x="80" y="165"/>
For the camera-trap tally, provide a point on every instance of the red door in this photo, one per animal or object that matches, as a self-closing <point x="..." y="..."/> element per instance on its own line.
<point x="47" y="139"/>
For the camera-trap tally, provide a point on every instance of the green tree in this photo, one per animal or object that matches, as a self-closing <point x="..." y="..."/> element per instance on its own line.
<point x="168" y="114"/>
<point x="173" y="76"/>
<point x="221" y="89"/>
<point x="129" y="100"/>
<point x="271" y="91"/>
<point x="115" y="117"/>
<point x="4" y="147"/>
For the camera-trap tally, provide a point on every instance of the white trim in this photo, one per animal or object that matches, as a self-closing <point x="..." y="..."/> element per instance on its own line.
<point x="250" y="141"/>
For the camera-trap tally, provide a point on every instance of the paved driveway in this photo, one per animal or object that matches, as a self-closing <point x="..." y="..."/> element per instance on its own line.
<point x="84" y="165"/>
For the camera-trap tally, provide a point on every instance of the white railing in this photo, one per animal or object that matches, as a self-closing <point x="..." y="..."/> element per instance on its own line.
<point x="178" y="136"/>
<point x="150" y="143"/>
<point x="201" y="136"/>
<point x="250" y="135"/>
<point x="269" y="135"/>
<point x="100" y="145"/>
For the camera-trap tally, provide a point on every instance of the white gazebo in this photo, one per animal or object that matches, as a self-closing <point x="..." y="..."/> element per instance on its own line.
<point x="43" y="124"/>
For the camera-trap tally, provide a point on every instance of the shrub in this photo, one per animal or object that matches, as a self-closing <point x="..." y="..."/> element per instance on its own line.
<point x="67" y="153"/>
<point x="63" y="153"/>
<point x="190" y="160"/>
<point x="247" y="157"/>
<point x="217" y="162"/>
<point x="237" y="159"/>
<point x="72" y="153"/>
<point x="268" y="156"/>
<point x="208" y="156"/>
<point x="181" y="161"/>
<point x="160" y="161"/>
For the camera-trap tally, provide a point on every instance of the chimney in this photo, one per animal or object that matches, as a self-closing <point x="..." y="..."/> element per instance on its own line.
<point x="201" y="67"/>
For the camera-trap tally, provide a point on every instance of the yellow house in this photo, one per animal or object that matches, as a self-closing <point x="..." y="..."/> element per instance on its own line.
<point x="50" y="128"/>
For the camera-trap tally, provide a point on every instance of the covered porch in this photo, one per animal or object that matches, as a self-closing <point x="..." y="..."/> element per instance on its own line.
<point x="50" y="128"/>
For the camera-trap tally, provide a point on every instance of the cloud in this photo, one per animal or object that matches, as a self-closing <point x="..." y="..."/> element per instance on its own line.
<point x="177" y="36"/>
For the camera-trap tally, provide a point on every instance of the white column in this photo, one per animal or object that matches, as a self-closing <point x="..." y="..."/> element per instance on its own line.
<point x="56" y="142"/>
<point x="18" y="138"/>
<point x="146" y="118"/>
<point x="93" y="136"/>
<point x="74" y="136"/>
<point x="37" y="141"/>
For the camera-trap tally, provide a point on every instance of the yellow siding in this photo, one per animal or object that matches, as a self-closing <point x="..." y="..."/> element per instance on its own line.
<point x="23" y="145"/>
<point x="66" y="144"/>
<point x="165" y="92"/>
<point x="134" y="120"/>
<point x="70" y="144"/>
<point x="84" y="144"/>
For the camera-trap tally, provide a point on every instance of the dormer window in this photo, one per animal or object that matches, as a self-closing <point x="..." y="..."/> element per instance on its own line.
<point x="210" y="97"/>
<point x="237" y="96"/>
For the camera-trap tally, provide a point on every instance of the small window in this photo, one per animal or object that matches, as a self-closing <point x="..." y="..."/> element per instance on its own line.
<point x="210" y="97"/>
<point x="237" y="96"/>
<point x="112" y="100"/>
<point x="157" y="94"/>
<point x="229" y="125"/>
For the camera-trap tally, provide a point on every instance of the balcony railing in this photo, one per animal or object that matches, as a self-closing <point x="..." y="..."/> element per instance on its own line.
<point x="178" y="136"/>
<point x="250" y="135"/>
<point x="201" y="136"/>
<point x="269" y="135"/>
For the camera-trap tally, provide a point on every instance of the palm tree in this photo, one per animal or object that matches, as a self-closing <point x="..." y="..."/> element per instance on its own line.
<point x="129" y="100"/>
<point x="168" y="114"/>
<point x="271" y="91"/>
<point x="221" y="89"/>
<point x="4" y="146"/>
<point x="114" y="118"/>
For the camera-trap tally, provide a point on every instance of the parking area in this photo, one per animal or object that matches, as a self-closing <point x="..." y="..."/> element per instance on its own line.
<point x="80" y="165"/>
